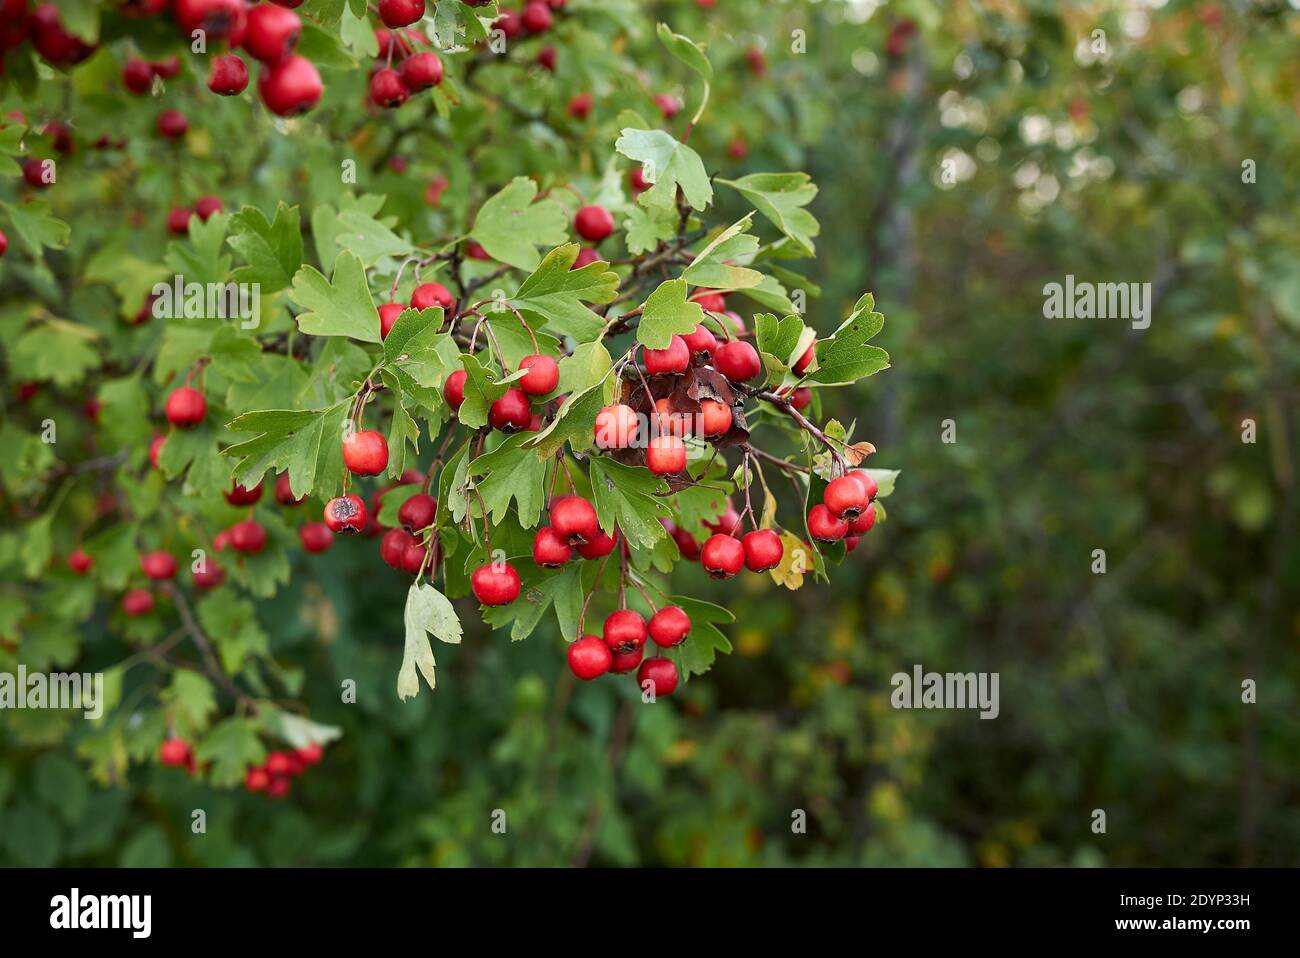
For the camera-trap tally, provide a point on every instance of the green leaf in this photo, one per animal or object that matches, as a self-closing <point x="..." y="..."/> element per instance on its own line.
<point x="56" y="351"/>
<point x="34" y="225"/>
<point x="273" y="249"/>
<point x="630" y="497"/>
<point x="428" y="612"/>
<point x="645" y="228"/>
<point x="512" y="472"/>
<point x="574" y="423"/>
<point x="62" y="785"/>
<point x="690" y="53"/>
<point x="667" y="164"/>
<point x="781" y="197"/>
<point x="696" y="655"/>
<point x="231" y="747"/>
<point x="191" y="702"/>
<point x="323" y="48"/>
<point x="885" y="479"/>
<point x="771" y="294"/>
<point x="667" y="313"/>
<point x="714" y="267"/>
<point x="589" y="364"/>
<point x="299" y="732"/>
<point x="481" y="391"/>
<point x="200" y="258"/>
<point x="510" y="226"/>
<point x="556" y="292"/>
<point x="368" y="239"/>
<point x="338" y="307"/>
<point x="844" y="358"/>
<point x="307" y="442"/>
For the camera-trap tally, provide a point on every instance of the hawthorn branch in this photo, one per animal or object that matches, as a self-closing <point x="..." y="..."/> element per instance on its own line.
<point x="212" y="666"/>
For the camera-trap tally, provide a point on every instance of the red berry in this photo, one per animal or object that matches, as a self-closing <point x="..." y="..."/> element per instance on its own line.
<point x="668" y="105"/>
<point x="586" y="256"/>
<point x="207" y="206"/>
<point x="284" y="492"/>
<point x="365" y="452"/>
<point x="495" y="583"/>
<point x="345" y="514"/>
<point x="824" y="526"/>
<point x="536" y="16"/>
<point x="546" y="58"/>
<point x="715" y="417"/>
<point x="137" y="602"/>
<point x="428" y="295"/>
<point x="727" y="523"/>
<point x="660" y="673"/>
<point x="800" y="398"/>
<point x="845" y="497"/>
<point x="414" y="557"/>
<point x="228" y="75"/>
<point x="863" y="478"/>
<point x="624" y="630"/>
<point x="737" y="360"/>
<point x="311" y="754"/>
<point x="510" y="23"/>
<point x="863" y="523"/>
<point x="851" y="543"/>
<point x="511" y="412"/>
<point x="167" y="67"/>
<point x="35" y="173"/>
<point x="580" y="106"/>
<point x="710" y="301"/>
<point x="248" y="536"/>
<point x="542" y="377"/>
<point x="242" y="496"/>
<point x="178" y="220"/>
<point x="700" y="340"/>
<point x="4" y="243"/>
<point x="137" y="76"/>
<point x="686" y="543"/>
<point x="158" y="565"/>
<point x="279" y="787"/>
<point x="665" y="455"/>
<point x="256" y="779"/>
<point x="550" y="549"/>
<point x="453" y="390"/>
<point x="290" y="87"/>
<point x="593" y="223"/>
<point x="636" y="180"/>
<point x="616" y="427"/>
<point x="185" y="407"/>
<point x="589" y="657"/>
<point x="80" y="561"/>
<point x="722" y="556"/>
<point x="599" y="547"/>
<point x="421" y="70"/>
<point x="172" y="124"/>
<point x="279" y="763"/>
<point x="804" y="361"/>
<point x="393" y="546"/>
<point x="387" y="88"/>
<point x="209" y="575"/>
<point x="627" y="661"/>
<point x="418" y="512"/>
<point x="672" y="359"/>
<point x="155" y="447"/>
<point x="475" y="250"/>
<point x="574" y="519"/>
<point x="763" y="550"/>
<point x="218" y="19"/>
<point x="388" y="314"/>
<point x="400" y="13"/>
<point x="175" y="752"/>
<point x="272" y="33"/>
<point x="669" y="626"/>
<point x="315" y="536"/>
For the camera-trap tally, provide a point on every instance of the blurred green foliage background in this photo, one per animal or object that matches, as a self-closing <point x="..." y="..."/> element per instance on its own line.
<point x="964" y="161"/>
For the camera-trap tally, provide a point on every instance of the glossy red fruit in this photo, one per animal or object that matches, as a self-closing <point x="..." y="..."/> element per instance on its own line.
<point x="279" y="764"/>
<point x="238" y="495"/>
<point x="207" y="206"/>
<point x="863" y="523"/>
<point x="39" y="174"/>
<point x="715" y="417"/>
<point x="845" y="497"/>
<point x="616" y="426"/>
<point x="536" y="17"/>
<point x="52" y="41"/>
<point x="178" y="220"/>
<point x="668" y="105"/>
<point x="453" y="390"/>
<point x="711" y="302"/>
<point x="574" y="519"/>
<point x="667" y="422"/>
<point x="80" y="561"/>
<point x="511" y="412"/>
<point x="700" y="340"/>
<point x="155" y="448"/>
<point x="219" y="19"/>
<point x="284" y="492"/>
<point x="388" y="314"/>
<point x="599" y="547"/>
<point x="763" y="550"/>
<point x="248" y="536"/>
<point x="400" y="13"/>
<point x="209" y="575"/>
<point x="311" y="753"/>
<point x="475" y="250"/>
<point x="728" y="523"/>
<point x="421" y="70"/>
<point x="428" y="295"/>
<point x="550" y="549"/>
<point x="546" y="58"/>
<point x="669" y="626"/>
<point x="851" y="543"/>
<point x="589" y="657"/>
<point x="167" y="67"/>
<point x="687" y="544"/>
<point x="801" y="398"/>
<point x="345" y="514"/>
<point x="175" y="752"/>
<point x="272" y="33"/>
<point x="315" y="536"/>
<point x="863" y="478"/>
<point x="137" y="602"/>
<point x="415" y="557"/>
<point x="290" y="87"/>
<point x="636" y="180"/>
<point x="185" y="407"/>
<point x="586" y="256"/>
<point x="627" y="661"/>
<point x="137" y="76"/>
<point x="279" y="787"/>
<point x="418" y="512"/>
<point x="805" y="360"/>
<point x="365" y="452"/>
<point x="394" y="545"/>
<point x="665" y="455"/>
<point x="228" y="76"/>
<point x="510" y="23"/>
<point x="624" y="630"/>
<point x="172" y="124"/>
<point x="256" y="779"/>
<point x="737" y="360"/>
<point x="495" y="583"/>
<point x="674" y="358"/>
<point x="387" y="88"/>
<point x="580" y="105"/>
<point x="593" y="223"/>
<point x="657" y="675"/>
<point x="722" y="556"/>
<point x="824" y="526"/>
<point x="542" y="377"/>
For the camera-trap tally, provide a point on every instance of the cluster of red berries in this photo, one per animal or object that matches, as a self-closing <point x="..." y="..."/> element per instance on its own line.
<point x="621" y="648"/>
<point x="512" y="411"/>
<point x="534" y="18"/>
<point x="178" y="220"/>
<point x="44" y="28"/>
<point x="424" y="296"/>
<point x="402" y="547"/>
<point x="846" y="511"/>
<point x="416" y="69"/>
<point x="274" y="777"/>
